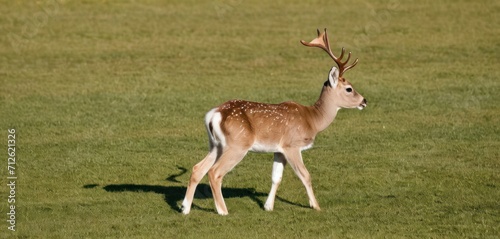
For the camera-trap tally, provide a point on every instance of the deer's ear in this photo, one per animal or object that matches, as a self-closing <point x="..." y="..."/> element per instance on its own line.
<point x="333" y="77"/>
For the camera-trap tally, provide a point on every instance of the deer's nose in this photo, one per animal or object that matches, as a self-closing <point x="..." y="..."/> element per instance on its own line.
<point x="362" y="105"/>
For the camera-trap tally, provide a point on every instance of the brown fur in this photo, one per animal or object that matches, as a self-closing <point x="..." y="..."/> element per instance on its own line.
<point x="284" y="129"/>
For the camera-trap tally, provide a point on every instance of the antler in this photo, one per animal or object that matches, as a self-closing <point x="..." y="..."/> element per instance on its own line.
<point x="322" y="42"/>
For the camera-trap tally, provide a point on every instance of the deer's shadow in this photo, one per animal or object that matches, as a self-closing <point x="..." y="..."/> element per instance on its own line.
<point x="174" y="194"/>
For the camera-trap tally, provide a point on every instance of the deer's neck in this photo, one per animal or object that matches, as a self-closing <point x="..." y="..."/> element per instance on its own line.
<point x="325" y="108"/>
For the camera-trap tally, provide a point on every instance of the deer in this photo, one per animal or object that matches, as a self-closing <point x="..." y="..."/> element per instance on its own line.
<point x="286" y="129"/>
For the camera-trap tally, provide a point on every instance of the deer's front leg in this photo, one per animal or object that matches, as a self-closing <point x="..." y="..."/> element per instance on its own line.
<point x="277" y="175"/>
<point x="294" y="158"/>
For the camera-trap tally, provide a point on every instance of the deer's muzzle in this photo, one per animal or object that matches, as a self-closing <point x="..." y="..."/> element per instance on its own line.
<point x="362" y="105"/>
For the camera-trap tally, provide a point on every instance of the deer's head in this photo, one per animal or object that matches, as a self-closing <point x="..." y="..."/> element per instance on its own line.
<point x="337" y="87"/>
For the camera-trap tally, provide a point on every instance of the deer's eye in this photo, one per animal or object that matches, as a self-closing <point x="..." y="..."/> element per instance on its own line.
<point x="349" y="89"/>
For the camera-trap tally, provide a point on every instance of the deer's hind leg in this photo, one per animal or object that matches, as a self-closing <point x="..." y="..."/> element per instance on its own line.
<point x="199" y="171"/>
<point x="230" y="157"/>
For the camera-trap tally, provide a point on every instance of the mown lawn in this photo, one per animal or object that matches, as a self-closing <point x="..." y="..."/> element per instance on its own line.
<point x="107" y="99"/>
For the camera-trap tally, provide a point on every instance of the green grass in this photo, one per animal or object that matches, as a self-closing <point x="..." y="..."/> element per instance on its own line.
<point x="108" y="98"/>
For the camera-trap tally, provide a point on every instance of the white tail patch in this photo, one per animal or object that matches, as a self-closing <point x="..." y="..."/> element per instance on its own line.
<point x="213" y="120"/>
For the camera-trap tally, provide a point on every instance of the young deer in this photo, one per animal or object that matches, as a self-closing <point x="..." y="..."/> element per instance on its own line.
<point x="285" y="129"/>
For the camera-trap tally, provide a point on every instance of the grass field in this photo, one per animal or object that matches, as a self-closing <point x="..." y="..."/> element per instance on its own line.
<point x="107" y="99"/>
